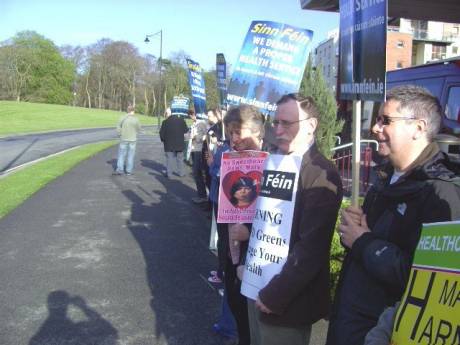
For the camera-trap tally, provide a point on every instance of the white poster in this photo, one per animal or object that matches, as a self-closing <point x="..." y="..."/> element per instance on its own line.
<point x="271" y="228"/>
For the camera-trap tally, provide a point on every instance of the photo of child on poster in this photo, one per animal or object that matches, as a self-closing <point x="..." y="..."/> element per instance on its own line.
<point x="241" y="174"/>
<point x="244" y="191"/>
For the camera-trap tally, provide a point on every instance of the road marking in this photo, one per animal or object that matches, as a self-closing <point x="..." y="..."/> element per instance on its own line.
<point x="7" y="172"/>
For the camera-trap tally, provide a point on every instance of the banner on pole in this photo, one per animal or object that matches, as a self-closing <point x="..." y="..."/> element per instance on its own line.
<point x="180" y="105"/>
<point x="363" y="36"/>
<point x="271" y="228"/>
<point x="221" y="78"/>
<point x="196" y="80"/>
<point x="270" y="64"/>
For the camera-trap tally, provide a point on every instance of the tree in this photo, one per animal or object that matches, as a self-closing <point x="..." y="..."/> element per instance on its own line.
<point x="15" y="71"/>
<point x="175" y="78"/>
<point x="314" y="85"/>
<point x="51" y="76"/>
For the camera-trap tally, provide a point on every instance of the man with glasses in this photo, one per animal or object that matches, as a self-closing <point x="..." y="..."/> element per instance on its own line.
<point x="299" y="295"/>
<point x="417" y="185"/>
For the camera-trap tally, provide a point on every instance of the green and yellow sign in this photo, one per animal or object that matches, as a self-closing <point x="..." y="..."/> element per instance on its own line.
<point x="430" y="308"/>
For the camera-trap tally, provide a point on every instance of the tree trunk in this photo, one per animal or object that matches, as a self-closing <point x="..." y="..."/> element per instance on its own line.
<point x="133" y="89"/>
<point x="154" y="102"/>
<point x="165" y="101"/>
<point x="146" y="100"/>
<point x="87" y="91"/>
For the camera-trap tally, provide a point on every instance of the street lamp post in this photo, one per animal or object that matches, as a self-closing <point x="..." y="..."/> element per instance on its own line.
<point x="161" y="69"/>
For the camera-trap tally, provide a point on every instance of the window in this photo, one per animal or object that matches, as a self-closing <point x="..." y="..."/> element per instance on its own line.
<point x="438" y="52"/>
<point x="399" y="64"/>
<point x="453" y="104"/>
<point x="400" y="44"/>
<point x="455" y="50"/>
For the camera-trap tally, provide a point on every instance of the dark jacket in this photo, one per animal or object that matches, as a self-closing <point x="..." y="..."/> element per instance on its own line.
<point x="299" y="294"/>
<point x="172" y="133"/>
<point x="376" y="269"/>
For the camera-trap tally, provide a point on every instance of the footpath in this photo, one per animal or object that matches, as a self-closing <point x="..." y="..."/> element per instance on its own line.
<point x="99" y="259"/>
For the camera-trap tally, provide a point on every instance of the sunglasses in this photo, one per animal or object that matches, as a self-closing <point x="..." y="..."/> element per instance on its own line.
<point x="386" y="120"/>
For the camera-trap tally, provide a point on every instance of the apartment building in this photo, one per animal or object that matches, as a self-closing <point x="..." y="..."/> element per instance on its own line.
<point x="326" y="56"/>
<point x="409" y="43"/>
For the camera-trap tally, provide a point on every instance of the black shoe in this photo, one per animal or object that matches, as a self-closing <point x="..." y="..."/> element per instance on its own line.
<point x="116" y="173"/>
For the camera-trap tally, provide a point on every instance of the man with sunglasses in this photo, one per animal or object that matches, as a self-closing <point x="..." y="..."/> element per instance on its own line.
<point x="417" y="185"/>
<point x="299" y="295"/>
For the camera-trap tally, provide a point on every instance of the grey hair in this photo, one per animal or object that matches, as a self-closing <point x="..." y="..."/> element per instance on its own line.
<point x="420" y="103"/>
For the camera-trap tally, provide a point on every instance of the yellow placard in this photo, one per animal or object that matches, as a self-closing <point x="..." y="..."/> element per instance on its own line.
<point x="430" y="309"/>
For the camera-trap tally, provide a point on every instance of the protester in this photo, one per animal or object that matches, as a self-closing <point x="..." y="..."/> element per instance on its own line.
<point x="197" y="136"/>
<point x="214" y="138"/>
<point x="166" y="114"/>
<point x="128" y="127"/>
<point x="214" y="162"/>
<point x="299" y="295"/>
<point x="245" y="128"/>
<point x="417" y="185"/>
<point x="215" y="142"/>
<point x="172" y="135"/>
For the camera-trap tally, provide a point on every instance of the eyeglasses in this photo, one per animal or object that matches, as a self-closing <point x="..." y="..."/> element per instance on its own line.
<point x="285" y="124"/>
<point x="386" y="120"/>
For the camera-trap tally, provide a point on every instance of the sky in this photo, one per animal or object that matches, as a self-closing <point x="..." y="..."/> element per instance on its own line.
<point x="200" y="28"/>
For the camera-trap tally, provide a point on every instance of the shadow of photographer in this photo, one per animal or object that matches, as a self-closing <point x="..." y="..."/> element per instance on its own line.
<point x="60" y="329"/>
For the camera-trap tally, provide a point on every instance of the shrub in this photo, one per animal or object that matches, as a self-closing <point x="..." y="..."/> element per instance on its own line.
<point x="337" y="253"/>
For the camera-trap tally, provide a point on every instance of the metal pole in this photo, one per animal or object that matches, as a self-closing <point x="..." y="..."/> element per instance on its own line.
<point x="161" y="81"/>
<point x="356" y="153"/>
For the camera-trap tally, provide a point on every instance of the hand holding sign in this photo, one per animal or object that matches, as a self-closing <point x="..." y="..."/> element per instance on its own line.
<point x="238" y="232"/>
<point x="349" y="230"/>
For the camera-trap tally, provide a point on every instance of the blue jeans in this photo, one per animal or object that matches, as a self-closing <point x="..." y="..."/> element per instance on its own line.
<point x="126" y="151"/>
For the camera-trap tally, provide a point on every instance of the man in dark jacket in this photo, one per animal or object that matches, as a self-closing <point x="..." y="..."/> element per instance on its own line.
<point x="418" y="185"/>
<point x="172" y="135"/>
<point x="299" y="295"/>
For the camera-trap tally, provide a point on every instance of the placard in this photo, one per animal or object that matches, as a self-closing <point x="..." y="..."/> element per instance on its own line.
<point x="429" y="312"/>
<point x="240" y="178"/>
<point x="271" y="228"/>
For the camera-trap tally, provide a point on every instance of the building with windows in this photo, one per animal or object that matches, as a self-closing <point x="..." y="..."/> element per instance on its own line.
<point x="326" y="57"/>
<point x="431" y="41"/>
<point x="409" y="43"/>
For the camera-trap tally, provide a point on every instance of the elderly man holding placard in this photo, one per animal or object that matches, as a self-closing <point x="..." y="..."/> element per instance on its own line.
<point x="286" y="275"/>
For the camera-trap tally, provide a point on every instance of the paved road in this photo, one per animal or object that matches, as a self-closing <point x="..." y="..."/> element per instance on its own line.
<point x="22" y="149"/>
<point x="99" y="259"/>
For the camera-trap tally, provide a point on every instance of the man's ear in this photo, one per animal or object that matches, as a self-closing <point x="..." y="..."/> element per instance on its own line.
<point x="312" y="124"/>
<point x="420" y="129"/>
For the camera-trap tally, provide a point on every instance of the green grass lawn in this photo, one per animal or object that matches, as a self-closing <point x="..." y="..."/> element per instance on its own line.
<point x="24" y="117"/>
<point x="20" y="185"/>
